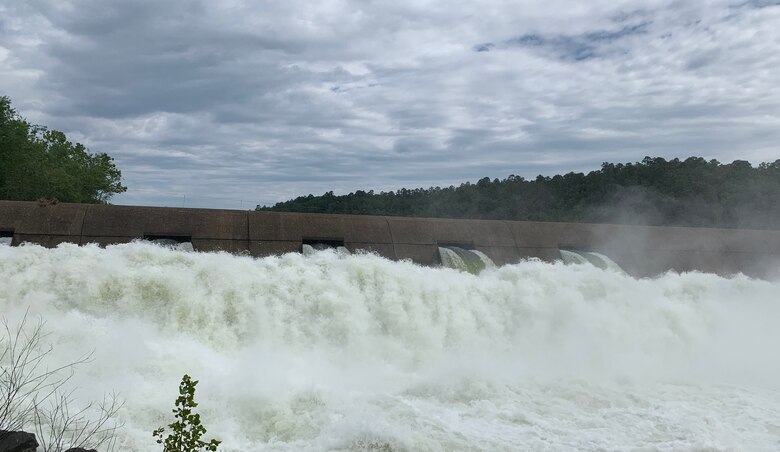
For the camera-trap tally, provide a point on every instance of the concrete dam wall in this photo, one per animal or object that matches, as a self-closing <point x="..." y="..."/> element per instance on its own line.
<point x="640" y="250"/>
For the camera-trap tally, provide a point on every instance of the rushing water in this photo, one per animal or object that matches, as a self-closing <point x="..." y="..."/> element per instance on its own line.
<point x="571" y="257"/>
<point x="338" y="352"/>
<point x="472" y="261"/>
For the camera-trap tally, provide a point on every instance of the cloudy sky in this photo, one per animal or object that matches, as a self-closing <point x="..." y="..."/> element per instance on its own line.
<point x="234" y="103"/>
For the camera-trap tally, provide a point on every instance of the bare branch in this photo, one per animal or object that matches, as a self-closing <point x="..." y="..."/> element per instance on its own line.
<point x="31" y="392"/>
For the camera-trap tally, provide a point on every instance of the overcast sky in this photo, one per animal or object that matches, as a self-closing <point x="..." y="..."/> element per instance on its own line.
<point x="234" y="103"/>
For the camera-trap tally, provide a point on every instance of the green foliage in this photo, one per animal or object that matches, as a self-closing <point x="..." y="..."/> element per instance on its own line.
<point x="36" y="162"/>
<point x="186" y="430"/>
<point x="690" y="192"/>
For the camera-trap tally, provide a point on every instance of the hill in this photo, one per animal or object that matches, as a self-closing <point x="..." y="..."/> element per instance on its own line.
<point x="655" y="191"/>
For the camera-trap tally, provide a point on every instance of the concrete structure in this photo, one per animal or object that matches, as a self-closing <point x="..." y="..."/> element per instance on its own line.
<point x="641" y="250"/>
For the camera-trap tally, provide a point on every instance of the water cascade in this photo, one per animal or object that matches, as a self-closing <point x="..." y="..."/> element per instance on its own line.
<point x="589" y="257"/>
<point x="6" y="240"/>
<point x="172" y="243"/>
<point x="471" y="261"/>
<point x="356" y="353"/>
<point x="603" y="262"/>
<point x="308" y="249"/>
<point x="571" y="257"/>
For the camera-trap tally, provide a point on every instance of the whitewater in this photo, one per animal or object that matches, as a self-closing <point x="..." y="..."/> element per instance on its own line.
<point x="355" y="352"/>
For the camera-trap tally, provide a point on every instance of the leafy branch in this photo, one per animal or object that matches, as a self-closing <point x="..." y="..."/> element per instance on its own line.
<point x="186" y="430"/>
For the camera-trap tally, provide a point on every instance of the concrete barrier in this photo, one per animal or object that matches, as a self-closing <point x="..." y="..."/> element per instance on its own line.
<point x="641" y="250"/>
<point x="355" y="232"/>
<point x="207" y="229"/>
<point x="48" y="225"/>
<point x="418" y="239"/>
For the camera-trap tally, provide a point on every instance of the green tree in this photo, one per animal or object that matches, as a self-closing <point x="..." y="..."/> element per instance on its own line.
<point x="36" y="162"/>
<point x="186" y="430"/>
<point x="690" y="192"/>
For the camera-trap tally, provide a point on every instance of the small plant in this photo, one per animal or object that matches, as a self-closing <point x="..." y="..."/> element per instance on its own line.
<point x="186" y="431"/>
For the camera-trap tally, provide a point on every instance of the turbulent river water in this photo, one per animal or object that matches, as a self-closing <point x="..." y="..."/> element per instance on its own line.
<point x="355" y="352"/>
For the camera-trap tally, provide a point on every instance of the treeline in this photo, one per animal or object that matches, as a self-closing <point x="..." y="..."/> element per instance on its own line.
<point x="36" y="162"/>
<point x="690" y="192"/>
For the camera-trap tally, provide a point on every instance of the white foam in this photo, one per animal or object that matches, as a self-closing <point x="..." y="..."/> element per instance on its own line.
<point x="170" y="243"/>
<point x="327" y="351"/>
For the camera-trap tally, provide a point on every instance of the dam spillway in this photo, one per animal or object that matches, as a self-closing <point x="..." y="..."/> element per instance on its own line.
<point x="357" y="353"/>
<point x="639" y="250"/>
<point x="327" y="350"/>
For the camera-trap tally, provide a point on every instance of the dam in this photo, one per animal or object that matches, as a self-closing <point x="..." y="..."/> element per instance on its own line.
<point x="348" y="351"/>
<point x="639" y="250"/>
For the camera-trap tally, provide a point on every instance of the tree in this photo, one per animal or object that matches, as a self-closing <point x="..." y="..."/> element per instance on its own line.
<point x="186" y="430"/>
<point x="36" y="162"/>
<point x="690" y="192"/>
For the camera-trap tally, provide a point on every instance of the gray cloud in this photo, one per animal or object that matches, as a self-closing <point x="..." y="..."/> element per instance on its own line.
<point x="239" y="102"/>
<point x="579" y="47"/>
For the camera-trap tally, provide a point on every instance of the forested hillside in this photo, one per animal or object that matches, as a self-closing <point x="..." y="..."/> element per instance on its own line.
<point x="690" y="192"/>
